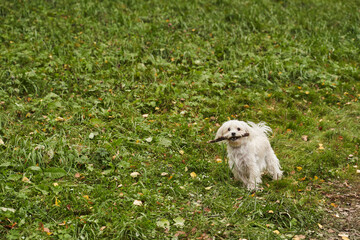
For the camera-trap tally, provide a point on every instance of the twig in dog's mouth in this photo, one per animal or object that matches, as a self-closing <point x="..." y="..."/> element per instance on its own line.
<point x="230" y="138"/>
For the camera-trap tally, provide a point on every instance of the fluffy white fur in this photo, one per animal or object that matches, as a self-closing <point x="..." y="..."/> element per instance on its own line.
<point x="249" y="155"/>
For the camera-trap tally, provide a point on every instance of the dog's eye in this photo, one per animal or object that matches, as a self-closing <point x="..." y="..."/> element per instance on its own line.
<point x="239" y="129"/>
<point x="229" y="129"/>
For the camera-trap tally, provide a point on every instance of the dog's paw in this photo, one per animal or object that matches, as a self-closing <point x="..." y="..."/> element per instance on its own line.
<point x="277" y="176"/>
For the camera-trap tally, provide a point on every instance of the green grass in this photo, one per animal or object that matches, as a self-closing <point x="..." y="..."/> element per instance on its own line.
<point x="77" y="79"/>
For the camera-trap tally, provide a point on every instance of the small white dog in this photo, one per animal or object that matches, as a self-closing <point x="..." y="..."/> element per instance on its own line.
<point x="249" y="151"/>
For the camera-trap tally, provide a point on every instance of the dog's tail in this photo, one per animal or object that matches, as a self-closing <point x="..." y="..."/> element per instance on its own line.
<point x="262" y="127"/>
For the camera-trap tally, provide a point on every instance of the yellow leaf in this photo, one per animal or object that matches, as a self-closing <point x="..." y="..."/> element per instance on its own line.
<point x="321" y="147"/>
<point x="270" y="211"/>
<point x="218" y="160"/>
<point x="86" y="197"/>
<point x="47" y="231"/>
<point x="57" y="202"/>
<point x="25" y="179"/>
<point x="299" y="168"/>
<point x="181" y="152"/>
<point x="316" y="178"/>
<point x="208" y="188"/>
<point x="193" y="175"/>
<point x="28" y="115"/>
<point x="320" y="226"/>
<point x="276" y="232"/>
<point x="59" y="119"/>
<point x="333" y="205"/>
<point x="55" y="184"/>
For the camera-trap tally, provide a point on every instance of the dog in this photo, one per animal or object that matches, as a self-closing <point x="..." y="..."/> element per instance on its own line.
<point x="249" y="151"/>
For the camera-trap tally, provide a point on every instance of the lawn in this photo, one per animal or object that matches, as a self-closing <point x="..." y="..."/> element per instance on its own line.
<point x="106" y="108"/>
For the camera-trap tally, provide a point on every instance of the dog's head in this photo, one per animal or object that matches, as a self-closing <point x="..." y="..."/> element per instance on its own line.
<point x="234" y="131"/>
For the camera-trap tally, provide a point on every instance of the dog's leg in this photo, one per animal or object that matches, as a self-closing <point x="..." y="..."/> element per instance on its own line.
<point x="254" y="176"/>
<point x="273" y="166"/>
<point x="238" y="172"/>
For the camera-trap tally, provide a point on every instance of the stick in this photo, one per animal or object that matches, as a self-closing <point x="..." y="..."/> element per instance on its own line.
<point x="224" y="138"/>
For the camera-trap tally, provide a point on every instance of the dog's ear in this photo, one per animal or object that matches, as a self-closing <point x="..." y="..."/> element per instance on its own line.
<point x="220" y="132"/>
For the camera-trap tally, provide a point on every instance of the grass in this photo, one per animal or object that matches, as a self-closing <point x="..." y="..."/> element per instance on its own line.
<point x="91" y="92"/>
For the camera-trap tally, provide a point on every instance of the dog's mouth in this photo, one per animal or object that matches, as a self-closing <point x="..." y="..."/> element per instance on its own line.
<point x="233" y="138"/>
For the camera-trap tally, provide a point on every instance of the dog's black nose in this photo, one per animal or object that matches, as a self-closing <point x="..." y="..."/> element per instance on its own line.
<point x="233" y="134"/>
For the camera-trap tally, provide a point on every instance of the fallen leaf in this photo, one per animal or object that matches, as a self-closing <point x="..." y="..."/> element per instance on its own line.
<point x="47" y="231"/>
<point x="333" y="205"/>
<point x="59" y="119"/>
<point x="134" y="174"/>
<point x="179" y="222"/>
<point x="25" y="179"/>
<point x="299" y="237"/>
<point x="321" y="146"/>
<point x="193" y="175"/>
<point x="137" y="203"/>
<point x="55" y="184"/>
<point x="149" y="139"/>
<point x="270" y="211"/>
<point x="320" y="226"/>
<point x="7" y="209"/>
<point x="181" y="152"/>
<point x="91" y="135"/>
<point x="86" y="197"/>
<point x="77" y="175"/>
<point x="145" y="115"/>
<point x="344" y="236"/>
<point x="164" y="174"/>
<point x="276" y="232"/>
<point x="299" y="168"/>
<point x="102" y="228"/>
<point x="304" y="138"/>
<point x="163" y="223"/>
<point x="178" y="233"/>
<point x="1" y="142"/>
<point x="208" y="188"/>
<point x="218" y="160"/>
<point x="57" y="202"/>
